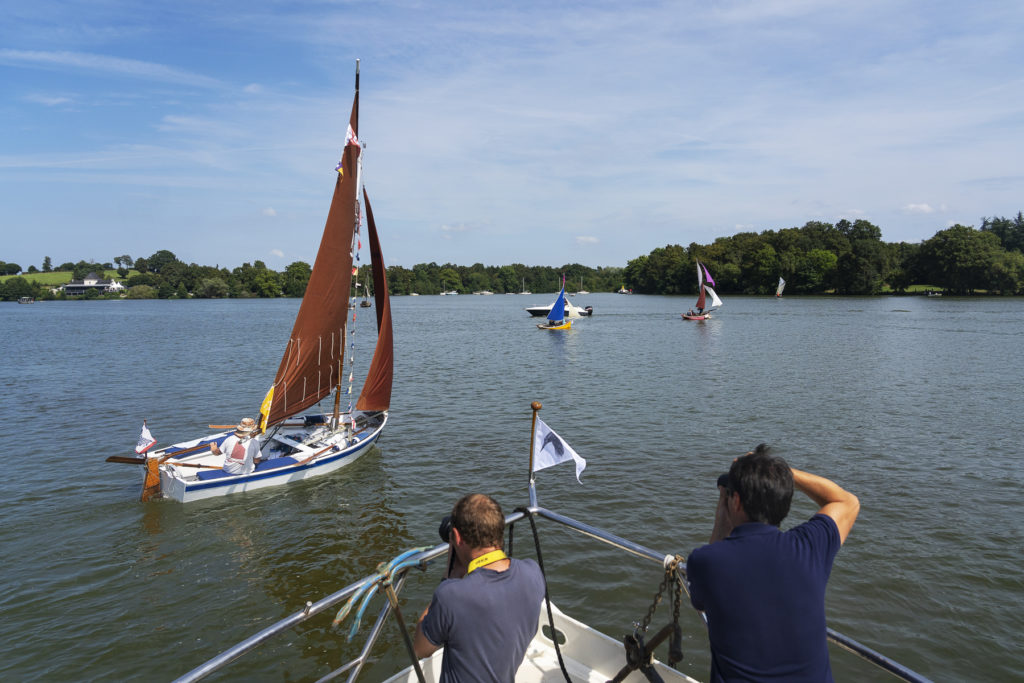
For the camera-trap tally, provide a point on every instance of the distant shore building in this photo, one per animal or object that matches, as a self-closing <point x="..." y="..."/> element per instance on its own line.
<point x="91" y="281"/>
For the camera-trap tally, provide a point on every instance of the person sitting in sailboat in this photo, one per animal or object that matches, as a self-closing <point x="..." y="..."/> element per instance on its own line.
<point x="241" y="450"/>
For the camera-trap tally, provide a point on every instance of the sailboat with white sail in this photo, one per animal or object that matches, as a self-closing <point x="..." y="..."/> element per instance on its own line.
<point x="704" y="282"/>
<point x="295" y="446"/>
<point x="781" y="286"/>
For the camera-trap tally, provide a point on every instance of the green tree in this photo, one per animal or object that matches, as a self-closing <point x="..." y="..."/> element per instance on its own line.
<point x="761" y="272"/>
<point x="450" y="278"/>
<point x="142" y="265"/>
<point x="142" y="292"/>
<point x="1007" y="274"/>
<point x="478" y="282"/>
<point x="211" y="288"/>
<point x="264" y="282"/>
<point x="143" y="279"/>
<point x="296" y="277"/>
<point x="904" y="259"/>
<point x="1010" y="232"/>
<point x="15" y="288"/>
<point x="161" y="259"/>
<point x="47" y="264"/>
<point x="82" y="269"/>
<point x="960" y="259"/>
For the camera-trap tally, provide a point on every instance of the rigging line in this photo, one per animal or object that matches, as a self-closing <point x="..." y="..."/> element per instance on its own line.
<point x="547" y="597"/>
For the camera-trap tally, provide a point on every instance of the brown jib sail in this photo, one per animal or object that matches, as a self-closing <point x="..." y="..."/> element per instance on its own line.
<point x="376" y="393"/>
<point x="312" y="362"/>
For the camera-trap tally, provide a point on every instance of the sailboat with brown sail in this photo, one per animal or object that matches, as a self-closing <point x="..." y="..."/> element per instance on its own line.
<point x="704" y="282"/>
<point x="295" y="447"/>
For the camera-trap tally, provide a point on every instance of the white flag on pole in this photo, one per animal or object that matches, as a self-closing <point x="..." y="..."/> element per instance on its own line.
<point x="146" y="440"/>
<point x="550" y="449"/>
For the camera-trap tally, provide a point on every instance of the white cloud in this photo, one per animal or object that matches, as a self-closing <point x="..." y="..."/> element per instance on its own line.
<point x="448" y="230"/>
<point x="90" y="62"/>
<point x="586" y="239"/>
<point x="277" y="252"/>
<point x="918" y="208"/>
<point x="253" y="89"/>
<point x="269" y="211"/>
<point x="48" y="100"/>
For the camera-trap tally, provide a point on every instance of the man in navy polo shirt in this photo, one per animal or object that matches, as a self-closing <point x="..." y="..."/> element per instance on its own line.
<point x="763" y="589"/>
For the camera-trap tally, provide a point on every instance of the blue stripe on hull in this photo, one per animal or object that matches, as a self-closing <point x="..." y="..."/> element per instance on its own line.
<point x="283" y="473"/>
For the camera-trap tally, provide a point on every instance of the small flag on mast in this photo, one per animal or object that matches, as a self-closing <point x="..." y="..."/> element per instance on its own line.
<point x="146" y="440"/>
<point x="268" y="400"/>
<point x="550" y="449"/>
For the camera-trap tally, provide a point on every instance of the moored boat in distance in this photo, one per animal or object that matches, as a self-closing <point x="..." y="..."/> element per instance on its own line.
<point x="26" y="300"/>
<point x="293" y="446"/>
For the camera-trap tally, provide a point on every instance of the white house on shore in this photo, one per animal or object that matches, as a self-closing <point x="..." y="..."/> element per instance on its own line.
<point x="91" y="281"/>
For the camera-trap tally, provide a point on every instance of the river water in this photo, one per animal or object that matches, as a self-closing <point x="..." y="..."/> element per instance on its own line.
<point x="914" y="404"/>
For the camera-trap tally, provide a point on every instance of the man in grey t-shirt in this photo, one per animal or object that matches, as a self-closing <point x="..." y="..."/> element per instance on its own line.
<point x="486" y="613"/>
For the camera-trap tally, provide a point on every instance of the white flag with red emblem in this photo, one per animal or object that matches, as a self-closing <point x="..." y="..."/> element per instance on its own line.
<point x="146" y="440"/>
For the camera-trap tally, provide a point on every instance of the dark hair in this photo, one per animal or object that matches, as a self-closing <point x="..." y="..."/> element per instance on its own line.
<point x="480" y="521"/>
<point x="764" y="483"/>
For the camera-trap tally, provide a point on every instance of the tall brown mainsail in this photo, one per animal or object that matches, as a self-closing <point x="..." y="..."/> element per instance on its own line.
<point x="376" y="393"/>
<point x="312" y="362"/>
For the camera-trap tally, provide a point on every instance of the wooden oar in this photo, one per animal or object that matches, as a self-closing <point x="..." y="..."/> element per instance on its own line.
<point x="183" y="451"/>
<point x="127" y="460"/>
<point x="315" y="455"/>
<point x="191" y="464"/>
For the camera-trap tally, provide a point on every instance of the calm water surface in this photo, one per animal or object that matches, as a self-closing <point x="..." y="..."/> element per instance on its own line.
<point x="914" y="404"/>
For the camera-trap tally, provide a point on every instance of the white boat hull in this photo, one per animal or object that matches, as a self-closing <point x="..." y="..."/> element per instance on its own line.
<point x="589" y="655"/>
<point x="292" y="446"/>
<point x="570" y="310"/>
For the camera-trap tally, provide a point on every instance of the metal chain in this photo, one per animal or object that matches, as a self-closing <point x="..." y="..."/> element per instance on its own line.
<point x="670" y="571"/>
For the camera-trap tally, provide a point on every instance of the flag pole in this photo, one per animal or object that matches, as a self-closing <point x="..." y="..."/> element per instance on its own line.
<point x="536" y="406"/>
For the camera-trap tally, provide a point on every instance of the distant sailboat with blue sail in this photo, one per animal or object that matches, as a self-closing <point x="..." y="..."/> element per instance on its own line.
<point x="556" y="316"/>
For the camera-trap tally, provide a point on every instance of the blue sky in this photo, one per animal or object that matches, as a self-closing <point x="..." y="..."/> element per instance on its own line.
<point x="535" y="132"/>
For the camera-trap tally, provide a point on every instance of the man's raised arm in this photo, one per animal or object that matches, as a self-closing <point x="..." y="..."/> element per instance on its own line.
<point x="834" y="501"/>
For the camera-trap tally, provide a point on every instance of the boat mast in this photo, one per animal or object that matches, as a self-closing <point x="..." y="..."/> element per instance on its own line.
<point x="536" y="405"/>
<point x="359" y="172"/>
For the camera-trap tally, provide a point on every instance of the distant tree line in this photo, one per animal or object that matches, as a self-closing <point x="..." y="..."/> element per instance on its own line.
<point x="430" y="278"/>
<point x="844" y="258"/>
<point x="164" y="276"/>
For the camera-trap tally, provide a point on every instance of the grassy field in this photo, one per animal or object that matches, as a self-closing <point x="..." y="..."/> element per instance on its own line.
<point x="59" y="277"/>
<point x="915" y="289"/>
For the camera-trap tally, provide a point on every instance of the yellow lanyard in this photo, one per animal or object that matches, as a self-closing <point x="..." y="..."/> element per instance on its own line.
<point x="485" y="559"/>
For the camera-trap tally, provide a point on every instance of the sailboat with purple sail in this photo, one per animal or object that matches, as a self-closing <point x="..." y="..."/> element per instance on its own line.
<point x="704" y="282"/>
